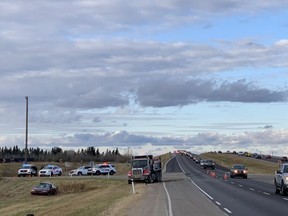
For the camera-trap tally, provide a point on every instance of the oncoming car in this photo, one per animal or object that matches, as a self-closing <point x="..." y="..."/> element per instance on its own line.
<point x="50" y="170"/>
<point x="104" y="169"/>
<point x="44" y="188"/>
<point x="207" y="164"/>
<point x="238" y="170"/>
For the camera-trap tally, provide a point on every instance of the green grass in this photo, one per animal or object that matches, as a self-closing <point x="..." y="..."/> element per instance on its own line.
<point x="255" y="166"/>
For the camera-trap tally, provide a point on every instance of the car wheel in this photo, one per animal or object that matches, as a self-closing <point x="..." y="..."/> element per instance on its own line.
<point x="277" y="190"/>
<point x="60" y="173"/>
<point x="129" y="181"/>
<point x="283" y="190"/>
<point x="97" y="172"/>
<point x="111" y="172"/>
<point x="79" y="173"/>
<point x="231" y="176"/>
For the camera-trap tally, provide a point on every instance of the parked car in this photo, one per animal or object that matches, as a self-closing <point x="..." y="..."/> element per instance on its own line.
<point x="281" y="180"/>
<point x="104" y="169"/>
<point x="50" y="170"/>
<point x="44" y="188"/>
<point x="83" y="170"/>
<point x="27" y="170"/>
<point x="238" y="170"/>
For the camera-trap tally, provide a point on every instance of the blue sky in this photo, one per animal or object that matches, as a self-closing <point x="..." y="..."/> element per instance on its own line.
<point x="147" y="77"/>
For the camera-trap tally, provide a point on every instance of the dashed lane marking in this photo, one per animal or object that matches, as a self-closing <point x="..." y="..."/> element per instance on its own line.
<point x="227" y="210"/>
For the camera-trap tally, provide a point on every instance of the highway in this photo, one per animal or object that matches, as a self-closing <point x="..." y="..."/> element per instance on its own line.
<point x="188" y="189"/>
<point x="237" y="196"/>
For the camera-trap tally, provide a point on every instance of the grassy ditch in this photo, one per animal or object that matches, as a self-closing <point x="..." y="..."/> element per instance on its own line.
<point x="82" y="196"/>
<point x="255" y="166"/>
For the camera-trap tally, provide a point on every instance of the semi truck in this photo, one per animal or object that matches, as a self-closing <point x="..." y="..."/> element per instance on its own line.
<point x="145" y="168"/>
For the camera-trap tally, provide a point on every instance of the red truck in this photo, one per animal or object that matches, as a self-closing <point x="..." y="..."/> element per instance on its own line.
<point x="145" y="168"/>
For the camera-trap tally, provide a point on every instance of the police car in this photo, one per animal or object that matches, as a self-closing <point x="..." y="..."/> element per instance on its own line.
<point x="50" y="170"/>
<point x="27" y="170"/>
<point x="104" y="169"/>
<point x="83" y="170"/>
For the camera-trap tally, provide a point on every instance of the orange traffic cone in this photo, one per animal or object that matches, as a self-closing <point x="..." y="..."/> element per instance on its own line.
<point x="213" y="174"/>
<point x="225" y="177"/>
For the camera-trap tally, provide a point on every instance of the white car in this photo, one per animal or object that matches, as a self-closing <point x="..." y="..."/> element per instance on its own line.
<point x="50" y="170"/>
<point x="27" y="170"/>
<point x="83" y="170"/>
<point x="104" y="169"/>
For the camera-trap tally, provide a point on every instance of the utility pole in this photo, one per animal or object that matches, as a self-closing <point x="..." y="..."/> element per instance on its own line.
<point x="26" y="137"/>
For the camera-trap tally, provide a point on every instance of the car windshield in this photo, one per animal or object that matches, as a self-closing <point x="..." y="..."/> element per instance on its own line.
<point x="285" y="170"/>
<point x="48" y="167"/>
<point x="43" y="185"/>
<point x="26" y="167"/>
<point x="238" y="167"/>
<point x="139" y="163"/>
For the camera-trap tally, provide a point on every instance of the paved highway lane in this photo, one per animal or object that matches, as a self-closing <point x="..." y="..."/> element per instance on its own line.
<point x="174" y="196"/>
<point x="235" y="196"/>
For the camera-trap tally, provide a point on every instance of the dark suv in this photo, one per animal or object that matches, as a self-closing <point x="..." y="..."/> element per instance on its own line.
<point x="207" y="164"/>
<point x="238" y="170"/>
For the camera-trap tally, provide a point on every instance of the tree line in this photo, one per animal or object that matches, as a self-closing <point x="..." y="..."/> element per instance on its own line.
<point x="57" y="154"/>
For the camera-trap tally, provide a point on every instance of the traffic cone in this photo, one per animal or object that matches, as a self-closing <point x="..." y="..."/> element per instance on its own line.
<point x="213" y="174"/>
<point x="225" y="177"/>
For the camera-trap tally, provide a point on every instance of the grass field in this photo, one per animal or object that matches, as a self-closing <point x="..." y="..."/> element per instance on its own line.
<point x="255" y="166"/>
<point x="78" y="195"/>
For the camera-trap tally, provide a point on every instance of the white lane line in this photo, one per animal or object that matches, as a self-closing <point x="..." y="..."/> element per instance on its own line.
<point x="201" y="189"/>
<point x="227" y="210"/>
<point x="170" y="213"/>
<point x="285" y="199"/>
<point x="232" y="182"/>
<point x="266" y="193"/>
<point x="240" y="185"/>
<point x="218" y="203"/>
<point x="252" y="189"/>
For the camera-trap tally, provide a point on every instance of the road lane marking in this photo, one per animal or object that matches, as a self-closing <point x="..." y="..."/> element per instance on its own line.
<point x="200" y="189"/>
<point x="266" y="193"/>
<point x="227" y="210"/>
<point x="170" y="213"/>
<point x="252" y="189"/>
<point x="285" y="199"/>
<point x="218" y="203"/>
<point x="240" y="185"/>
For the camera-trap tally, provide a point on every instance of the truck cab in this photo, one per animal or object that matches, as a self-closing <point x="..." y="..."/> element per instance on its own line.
<point x="145" y="168"/>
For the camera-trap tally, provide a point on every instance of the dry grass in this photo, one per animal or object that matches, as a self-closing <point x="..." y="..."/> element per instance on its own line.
<point x="255" y="166"/>
<point x="76" y="196"/>
<point x="82" y="196"/>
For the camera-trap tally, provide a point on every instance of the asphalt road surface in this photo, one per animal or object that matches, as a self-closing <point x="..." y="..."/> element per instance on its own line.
<point x="188" y="189"/>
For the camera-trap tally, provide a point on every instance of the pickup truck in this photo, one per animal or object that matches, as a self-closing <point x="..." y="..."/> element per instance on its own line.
<point x="281" y="180"/>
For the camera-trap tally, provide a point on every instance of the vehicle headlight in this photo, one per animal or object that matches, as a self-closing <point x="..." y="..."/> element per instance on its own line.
<point x="235" y="171"/>
<point x="245" y="171"/>
<point x="286" y="178"/>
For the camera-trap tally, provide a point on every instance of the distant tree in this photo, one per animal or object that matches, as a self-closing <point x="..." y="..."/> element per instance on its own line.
<point x="56" y="150"/>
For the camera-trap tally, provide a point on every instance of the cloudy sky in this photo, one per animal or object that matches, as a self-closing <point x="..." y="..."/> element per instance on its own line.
<point x="148" y="76"/>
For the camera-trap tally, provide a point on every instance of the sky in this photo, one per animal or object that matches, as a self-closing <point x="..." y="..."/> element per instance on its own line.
<point x="146" y="77"/>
